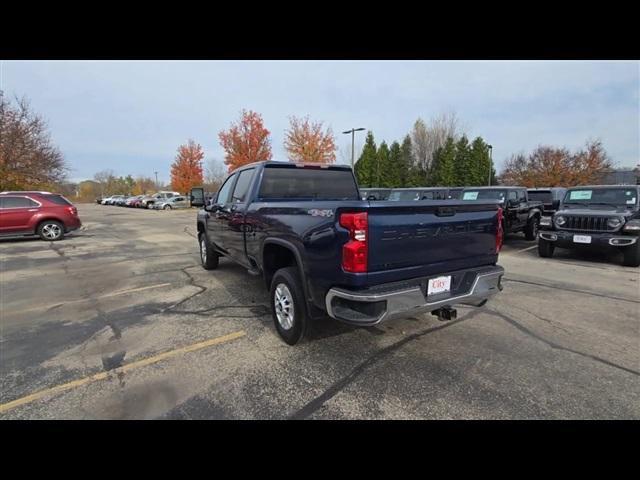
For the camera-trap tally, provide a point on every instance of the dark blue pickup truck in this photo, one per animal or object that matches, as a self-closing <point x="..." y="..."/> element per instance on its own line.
<point x="322" y="250"/>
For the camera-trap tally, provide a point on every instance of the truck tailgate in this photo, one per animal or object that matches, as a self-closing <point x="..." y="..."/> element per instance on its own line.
<point x="429" y="236"/>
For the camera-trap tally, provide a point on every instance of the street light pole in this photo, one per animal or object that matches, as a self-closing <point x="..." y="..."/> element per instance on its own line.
<point x="353" y="135"/>
<point x="490" y="162"/>
<point x="156" y="180"/>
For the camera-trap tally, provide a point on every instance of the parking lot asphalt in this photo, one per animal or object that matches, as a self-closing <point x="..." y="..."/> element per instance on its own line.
<point x="119" y="321"/>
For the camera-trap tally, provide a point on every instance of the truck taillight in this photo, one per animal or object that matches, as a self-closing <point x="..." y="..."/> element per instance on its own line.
<point x="499" y="232"/>
<point x="354" y="252"/>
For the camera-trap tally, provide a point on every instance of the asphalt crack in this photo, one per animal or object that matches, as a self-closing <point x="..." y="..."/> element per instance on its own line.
<point x="315" y="404"/>
<point x="192" y="282"/>
<point x="567" y="289"/>
<point x="557" y="346"/>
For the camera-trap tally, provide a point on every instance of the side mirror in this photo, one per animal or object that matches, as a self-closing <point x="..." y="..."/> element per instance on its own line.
<point x="197" y="197"/>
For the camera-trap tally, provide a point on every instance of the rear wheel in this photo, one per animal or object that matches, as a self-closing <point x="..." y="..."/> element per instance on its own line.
<point x="209" y="258"/>
<point x="545" y="248"/>
<point x="50" y="230"/>
<point x="167" y="207"/>
<point x="632" y="255"/>
<point x="288" y="305"/>
<point x="531" y="230"/>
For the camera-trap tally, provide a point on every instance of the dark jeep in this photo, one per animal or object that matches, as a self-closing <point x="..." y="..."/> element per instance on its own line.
<point x="598" y="217"/>
<point x="521" y="214"/>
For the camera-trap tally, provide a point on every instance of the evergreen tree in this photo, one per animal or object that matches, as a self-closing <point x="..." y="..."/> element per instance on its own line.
<point x="380" y="170"/>
<point x="444" y="165"/>
<point x="406" y="162"/>
<point x="394" y="170"/>
<point x="464" y="171"/>
<point x="480" y="162"/>
<point x="366" y="162"/>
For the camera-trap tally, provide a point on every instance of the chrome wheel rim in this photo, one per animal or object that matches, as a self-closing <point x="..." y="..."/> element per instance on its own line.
<point x="283" y="301"/>
<point x="203" y="250"/>
<point x="51" y="231"/>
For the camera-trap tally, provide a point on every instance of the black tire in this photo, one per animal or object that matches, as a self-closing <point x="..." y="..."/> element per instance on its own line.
<point x="289" y="279"/>
<point x="632" y="255"/>
<point x="531" y="230"/>
<point x="50" y="231"/>
<point x="209" y="258"/>
<point x="545" y="248"/>
<point x="167" y="207"/>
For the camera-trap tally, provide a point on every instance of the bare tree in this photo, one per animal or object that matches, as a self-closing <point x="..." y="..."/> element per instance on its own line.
<point x="28" y="158"/>
<point x="215" y="173"/>
<point x="426" y="138"/>
<point x="345" y="152"/>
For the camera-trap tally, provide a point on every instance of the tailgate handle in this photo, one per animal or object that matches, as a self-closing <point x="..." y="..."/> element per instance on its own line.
<point x="445" y="212"/>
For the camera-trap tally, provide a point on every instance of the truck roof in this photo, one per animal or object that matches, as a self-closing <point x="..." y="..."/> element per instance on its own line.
<point x="280" y="163"/>
<point x="495" y="187"/>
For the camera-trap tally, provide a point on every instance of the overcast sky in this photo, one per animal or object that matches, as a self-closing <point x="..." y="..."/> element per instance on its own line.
<point x="131" y="116"/>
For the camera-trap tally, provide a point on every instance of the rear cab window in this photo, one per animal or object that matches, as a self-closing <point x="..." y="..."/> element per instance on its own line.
<point x="307" y="183"/>
<point x="541" y="196"/>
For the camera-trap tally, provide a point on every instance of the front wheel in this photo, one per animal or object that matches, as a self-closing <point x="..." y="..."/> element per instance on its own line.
<point x="50" y="230"/>
<point x="632" y="255"/>
<point x="531" y="230"/>
<point x="288" y="305"/>
<point x="545" y="248"/>
<point x="209" y="258"/>
<point x="167" y="207"/>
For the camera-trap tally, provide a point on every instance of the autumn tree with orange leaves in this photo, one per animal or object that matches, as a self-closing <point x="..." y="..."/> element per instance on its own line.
<point x="246" y="141"/>
<point x="186" y="170"/>
<point x="307" y="141"/>
<point x="550" y="166"/>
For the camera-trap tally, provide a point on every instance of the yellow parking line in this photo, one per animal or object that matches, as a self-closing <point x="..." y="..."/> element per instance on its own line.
<point x="126" y="368"/>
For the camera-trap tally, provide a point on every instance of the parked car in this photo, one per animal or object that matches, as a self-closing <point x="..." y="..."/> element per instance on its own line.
<point x="172" y="203"/>
<point x="520" y="213"/>
<point x="45" y="214"/>
<point x="375" y="193"/>
<point x="130" y="202"/>
<point x="322" y="250"/>
<point x="114" y="199"/>
<point x="602" y="217"/>
<point x="106" y="200"/>
<point x="550" y="198"/>
<point x="425" y="193"/>
<point x="149" y="201"/>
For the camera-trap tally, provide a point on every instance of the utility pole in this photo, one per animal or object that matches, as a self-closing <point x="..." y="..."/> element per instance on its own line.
<point x="353" y="133"/>
<point x="490" y="162"/>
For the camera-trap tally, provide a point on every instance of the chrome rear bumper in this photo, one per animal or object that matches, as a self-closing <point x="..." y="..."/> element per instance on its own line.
<point x="372" y="308"/>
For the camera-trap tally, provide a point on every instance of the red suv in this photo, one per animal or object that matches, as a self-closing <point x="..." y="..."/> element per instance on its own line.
<point x="45" y="214"/>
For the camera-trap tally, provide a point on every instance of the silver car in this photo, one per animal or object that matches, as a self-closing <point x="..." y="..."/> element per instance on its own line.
<point x="171" y="203"/>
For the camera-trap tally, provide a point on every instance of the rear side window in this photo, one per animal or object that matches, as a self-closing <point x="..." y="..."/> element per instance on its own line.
<point x="17" y="202"/>
<point x="308" y="183"/>
<point x="58" y="199"/>
<point x="242" y="186"/>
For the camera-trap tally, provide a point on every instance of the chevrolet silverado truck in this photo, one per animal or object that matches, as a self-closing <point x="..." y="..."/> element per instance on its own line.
<point x="521" y="214"/>
<point x="322" y="250"/>
<point x="603" y="217"/>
